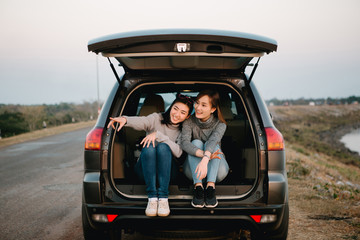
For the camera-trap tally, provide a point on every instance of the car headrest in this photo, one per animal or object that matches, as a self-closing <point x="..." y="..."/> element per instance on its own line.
<point x="225" y="107"/>
<point x="152" y="103"/>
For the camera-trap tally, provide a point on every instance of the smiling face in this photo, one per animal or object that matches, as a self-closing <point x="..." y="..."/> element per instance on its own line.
<point x="179" y="112"/>
<point x="203" y="108"/>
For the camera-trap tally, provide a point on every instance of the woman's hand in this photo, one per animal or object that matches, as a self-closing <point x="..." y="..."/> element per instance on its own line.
<point x="202" y="168"/>
<point x="120" y="120"/>
<point x="150" y="138"/>
<point x="216" y="154"/>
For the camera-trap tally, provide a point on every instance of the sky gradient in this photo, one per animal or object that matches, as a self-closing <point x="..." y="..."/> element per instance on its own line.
<point x="44" y="58"/>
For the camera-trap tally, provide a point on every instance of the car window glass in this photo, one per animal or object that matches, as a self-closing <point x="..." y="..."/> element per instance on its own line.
<point x="234" y="103"/>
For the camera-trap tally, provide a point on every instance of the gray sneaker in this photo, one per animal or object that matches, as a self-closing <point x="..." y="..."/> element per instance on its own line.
<point x="198" y="199"/>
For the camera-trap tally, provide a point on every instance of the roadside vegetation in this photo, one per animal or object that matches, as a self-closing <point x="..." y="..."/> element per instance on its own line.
<point x="18" y="119"/>
<point x="314" y="101"/>
<point x="324" y="176"/>
<point x="319" y="128"/>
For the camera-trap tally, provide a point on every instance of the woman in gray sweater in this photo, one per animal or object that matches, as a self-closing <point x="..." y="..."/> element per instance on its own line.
<point x="200" y="138"/>
<point x="159" y="147"/>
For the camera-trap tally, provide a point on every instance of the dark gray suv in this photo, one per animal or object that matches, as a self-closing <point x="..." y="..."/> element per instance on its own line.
<point x="253" y="198"/>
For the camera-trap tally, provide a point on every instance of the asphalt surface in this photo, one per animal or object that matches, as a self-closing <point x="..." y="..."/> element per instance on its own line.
<point x="41" y="188"/>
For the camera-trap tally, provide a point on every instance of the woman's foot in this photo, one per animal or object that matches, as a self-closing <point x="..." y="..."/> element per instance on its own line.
<point x="198" y="199"/>
<point x="210" y="197"/>
<point x="152" y="207"/>
<point x="163" y="207"/>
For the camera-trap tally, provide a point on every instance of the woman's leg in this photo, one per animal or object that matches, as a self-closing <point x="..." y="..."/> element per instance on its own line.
<point x="217" y="168"/>
<point x="223" y="170"/>
<point x="148" y="164"/>
<point x="192" y="162"/>
<point x="163" y="165"/>
<point x="189" y="170"/>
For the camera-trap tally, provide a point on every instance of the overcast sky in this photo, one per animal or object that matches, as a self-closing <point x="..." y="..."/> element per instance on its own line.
<point x="44" y="58"/>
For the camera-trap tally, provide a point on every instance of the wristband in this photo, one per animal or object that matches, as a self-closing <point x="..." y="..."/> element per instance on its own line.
<point x="206" y="156"/>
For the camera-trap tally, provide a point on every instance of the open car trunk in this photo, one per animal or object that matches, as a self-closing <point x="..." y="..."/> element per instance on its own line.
<point x="238" y="143"/>
<point x="197" y="52"/>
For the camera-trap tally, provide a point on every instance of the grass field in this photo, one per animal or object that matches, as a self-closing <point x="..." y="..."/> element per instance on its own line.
<point x="319" y="128"/>
<point x="324" y="176"/>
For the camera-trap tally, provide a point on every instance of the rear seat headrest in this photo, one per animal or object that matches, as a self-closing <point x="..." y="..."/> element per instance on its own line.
<point x="152" y="103"/>
<point x="225" y="107"/>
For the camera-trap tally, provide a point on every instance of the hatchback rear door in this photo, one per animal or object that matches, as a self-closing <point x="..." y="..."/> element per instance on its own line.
<point x="174" y="49"/>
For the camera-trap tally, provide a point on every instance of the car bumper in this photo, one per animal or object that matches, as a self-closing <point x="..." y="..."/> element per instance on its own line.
<point x="231" y="218"/>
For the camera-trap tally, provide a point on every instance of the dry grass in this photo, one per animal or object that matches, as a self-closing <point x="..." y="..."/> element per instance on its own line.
<point x="319" y="128"/>
<point x="322" y="199"/>
<point x="44" y="133"/>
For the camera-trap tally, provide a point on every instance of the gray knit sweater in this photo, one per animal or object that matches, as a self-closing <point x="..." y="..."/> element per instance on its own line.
<point x="164" y="133"/>
<point x="210" y="132"/>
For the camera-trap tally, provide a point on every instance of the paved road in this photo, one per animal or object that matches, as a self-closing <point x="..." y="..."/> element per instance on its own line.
<point x="41" y="188"/>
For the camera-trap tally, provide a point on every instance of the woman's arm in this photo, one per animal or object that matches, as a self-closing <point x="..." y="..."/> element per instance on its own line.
<point x="138" y="123"/>
<point x="215" y="137"/>
<point x="185" y="140"/>
<point x="145" y="123"/>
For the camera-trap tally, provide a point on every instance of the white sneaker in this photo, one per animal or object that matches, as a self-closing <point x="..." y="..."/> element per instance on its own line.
<point x="152" y="207"/>
<point x="163" y="207"/>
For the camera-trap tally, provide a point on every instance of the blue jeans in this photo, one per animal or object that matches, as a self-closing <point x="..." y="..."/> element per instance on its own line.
<point x="217" y="168"/>
<point x="154" y="166"/>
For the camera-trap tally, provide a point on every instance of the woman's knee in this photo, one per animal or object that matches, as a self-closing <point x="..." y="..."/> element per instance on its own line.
<point x="163" y="147"/>
<point x="198" y="143"/>
<point x="148" y="151"/>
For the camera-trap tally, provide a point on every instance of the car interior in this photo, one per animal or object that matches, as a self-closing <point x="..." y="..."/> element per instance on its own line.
<point x="237" y="144"/>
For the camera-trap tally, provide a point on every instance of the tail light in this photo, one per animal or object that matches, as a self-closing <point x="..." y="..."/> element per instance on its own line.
<point x="104" y="218"/>
<point x="266" y="218"/>
<point x="256" y="218"/>
<point x="93" y="139"/>
<point x="275" y="140"/>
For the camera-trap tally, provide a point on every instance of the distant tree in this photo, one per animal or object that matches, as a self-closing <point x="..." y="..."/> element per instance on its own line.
<point x="16" y="119"/>
<point x="34" y="116"/>
<point x="12" y="123"/>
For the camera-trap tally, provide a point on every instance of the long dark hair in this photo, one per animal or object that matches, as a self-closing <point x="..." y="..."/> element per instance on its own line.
<point x="182" y="99"/>
<point x="214" y="100"/>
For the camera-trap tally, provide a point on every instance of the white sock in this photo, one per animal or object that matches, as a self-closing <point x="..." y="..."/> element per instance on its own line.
<point x="163" y="199"/>
<point x="154" y="199"/>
